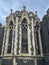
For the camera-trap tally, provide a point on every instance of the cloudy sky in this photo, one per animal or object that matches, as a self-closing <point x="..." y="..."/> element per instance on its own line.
<point x="32" y="5"/>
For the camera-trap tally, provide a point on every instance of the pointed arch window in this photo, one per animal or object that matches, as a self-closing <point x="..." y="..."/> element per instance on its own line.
<point x="24" y="36"/>
<point x="10" y="37"/>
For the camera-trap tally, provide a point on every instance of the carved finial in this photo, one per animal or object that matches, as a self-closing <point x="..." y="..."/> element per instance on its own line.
<point x="48" y="11"/>
<point x="24" y="8"/>
<point x="11" y="10"/>
<point x="36" y="13"/>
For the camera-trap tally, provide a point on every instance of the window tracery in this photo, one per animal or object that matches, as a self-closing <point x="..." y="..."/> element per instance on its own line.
<point x="24" y="37"/>
<point x="10" y="37"/>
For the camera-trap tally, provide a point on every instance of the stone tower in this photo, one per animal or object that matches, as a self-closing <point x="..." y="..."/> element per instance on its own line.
<point x="22" y="40"/>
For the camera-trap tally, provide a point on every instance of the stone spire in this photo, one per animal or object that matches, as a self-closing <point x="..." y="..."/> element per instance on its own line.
<point x="11" y="10"/>
<point x="36" y="13"/>
<point x="47" y="11"/>
<point x="24" y="7"/>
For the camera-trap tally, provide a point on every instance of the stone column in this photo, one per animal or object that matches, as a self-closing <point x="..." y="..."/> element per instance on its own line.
<point x="4" y="41"/>
<point x="40" y="43"/>
<point x="33" y="39"/>
<point x="20" y="40"/>
<point x="14" y="61"/>
<point x="36" y="45"/>
<point x="16" y="40"/>
<point x="12" y="50"/>
<point x="16" y="37"/>
<point x="7" y="39"/>
<point x="35" y="61"/>
<point x="29" y="41"/>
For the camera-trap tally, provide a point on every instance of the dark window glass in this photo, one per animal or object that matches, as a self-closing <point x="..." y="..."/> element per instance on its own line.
<point x="10" y="42"/>
<point x="10" y="37"/>
<point x="24" y="37"/>
<point x="38" y="43"/>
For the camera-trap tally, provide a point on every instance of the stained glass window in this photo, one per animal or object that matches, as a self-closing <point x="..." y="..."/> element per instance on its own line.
<point x="24" y="37"/>
<point x="10" y="37"/>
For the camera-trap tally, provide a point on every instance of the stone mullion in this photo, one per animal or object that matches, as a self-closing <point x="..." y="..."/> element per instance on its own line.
<point x="36" y="45"/>
<point x="7" y="39"/>
<point x="35" y="61"/>
<point x="33" y="39"/>
<point x="33" y="42"/>
<point x="16" y="37"/>
<point x="40" y="43"/>
<point x="12" y="42"/>
<point x="16" y="41"/>
<point x="31" y="36"/>
<point x="29" y="41"/>
<point x="20" y="41"/>
<point x="14" y="61"/>
<point x="3" y="41"/>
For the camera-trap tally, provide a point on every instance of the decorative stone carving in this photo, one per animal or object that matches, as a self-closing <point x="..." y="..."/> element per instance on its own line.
<point x="25" y="60"/>
<point x="48" y="11"/>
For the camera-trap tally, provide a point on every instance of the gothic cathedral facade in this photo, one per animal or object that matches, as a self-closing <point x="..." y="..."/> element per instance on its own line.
<point x="22" y="39"/>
